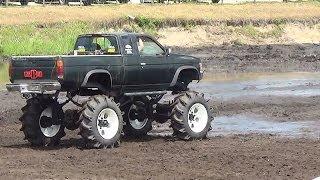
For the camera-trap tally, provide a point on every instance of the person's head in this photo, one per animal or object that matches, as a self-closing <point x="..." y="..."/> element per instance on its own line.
<point x="140" y="44"/>
<point x="98" y="46"/>
<point x="95" y="46"/>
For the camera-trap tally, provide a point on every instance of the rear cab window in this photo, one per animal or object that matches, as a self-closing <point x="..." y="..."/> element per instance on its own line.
<point x="97" y="45"/>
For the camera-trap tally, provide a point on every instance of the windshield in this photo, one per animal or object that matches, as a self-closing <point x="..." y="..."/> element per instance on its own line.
<point x="101" y="44"/>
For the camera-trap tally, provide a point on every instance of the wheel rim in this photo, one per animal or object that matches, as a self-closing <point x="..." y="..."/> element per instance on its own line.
<point x="197" y="117"/>
<point x="108" y="123"/>
<point x="49" y="131"/>
<point x="135" y="122"/>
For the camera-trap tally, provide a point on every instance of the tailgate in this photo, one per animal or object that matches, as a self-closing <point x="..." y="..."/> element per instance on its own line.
<point x="35" y="68"/>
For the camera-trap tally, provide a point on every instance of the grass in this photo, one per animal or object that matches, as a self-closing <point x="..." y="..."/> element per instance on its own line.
<point x="113" y="14"/>
<point x="254" y="32"/>
<point x="4" y="78"/>
<point x="35" y="40"/>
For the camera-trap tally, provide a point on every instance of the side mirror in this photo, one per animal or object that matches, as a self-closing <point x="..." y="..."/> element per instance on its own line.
<point x="168" y="51"/>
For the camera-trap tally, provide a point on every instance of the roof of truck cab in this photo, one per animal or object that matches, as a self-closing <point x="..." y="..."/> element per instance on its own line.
<point x="115" y="34"/>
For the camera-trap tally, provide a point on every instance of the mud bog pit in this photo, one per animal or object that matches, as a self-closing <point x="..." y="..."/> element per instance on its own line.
<point x="244" y="124"/>
<point x="266" y="126"/>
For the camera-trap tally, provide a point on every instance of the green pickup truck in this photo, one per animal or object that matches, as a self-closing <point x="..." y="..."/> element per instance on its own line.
<point x="125" y="76"/>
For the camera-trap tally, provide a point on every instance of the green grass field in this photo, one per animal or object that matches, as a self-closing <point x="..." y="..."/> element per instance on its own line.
<point x="34" y="40"/>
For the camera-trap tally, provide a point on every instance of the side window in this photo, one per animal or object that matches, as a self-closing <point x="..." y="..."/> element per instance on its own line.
<point x="127" y="45"/>
<point x="148" y="47"/>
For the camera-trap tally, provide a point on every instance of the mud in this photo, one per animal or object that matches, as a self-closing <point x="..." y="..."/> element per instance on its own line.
<point x="243" y="124"/>
<point x="266" y="127"/>
<point x="236" y="58"/>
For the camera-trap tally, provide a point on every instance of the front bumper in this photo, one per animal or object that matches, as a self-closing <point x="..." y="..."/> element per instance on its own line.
<point x="37" y="88"/>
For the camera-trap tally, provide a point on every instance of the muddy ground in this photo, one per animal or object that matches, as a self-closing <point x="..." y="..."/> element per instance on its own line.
<point x="229" y="152"/>
<point x="235" y="58"/>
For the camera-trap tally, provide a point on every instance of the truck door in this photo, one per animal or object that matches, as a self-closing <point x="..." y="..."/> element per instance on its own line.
<point x="131" y="63"/>
<point x="153" y="62"/>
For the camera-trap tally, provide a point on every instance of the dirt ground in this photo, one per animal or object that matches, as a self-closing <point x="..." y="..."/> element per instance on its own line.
<point x="159" y="156"/>
<point x="254" y="156"/>
<point x="223" y="34"/>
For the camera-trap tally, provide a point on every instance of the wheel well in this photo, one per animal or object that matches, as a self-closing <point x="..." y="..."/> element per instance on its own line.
<point x="99" y="80"/>
<point x="188" y="74"/>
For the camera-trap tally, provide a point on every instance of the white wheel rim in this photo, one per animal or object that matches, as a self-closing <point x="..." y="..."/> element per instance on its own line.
<point x="197" y="117"/>
<point x="53" y="129"/>
<point x="135" y="123"/>
<point x="108" y="123"/>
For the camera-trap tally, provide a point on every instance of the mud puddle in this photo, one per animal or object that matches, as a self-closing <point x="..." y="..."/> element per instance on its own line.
<point x="278" y="84"/>
<point x="246" y="124"/>
<point x="257" y="88"/>
<point x="242" y="124"/>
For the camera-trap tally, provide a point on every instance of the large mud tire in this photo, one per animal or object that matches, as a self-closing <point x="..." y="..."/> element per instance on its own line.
<point x="31" y="121"/>
<point x="101" y="123"/>
<point x="136" y="127"/>
<point x="71" y="119"/>
<point x="191" y="117"/>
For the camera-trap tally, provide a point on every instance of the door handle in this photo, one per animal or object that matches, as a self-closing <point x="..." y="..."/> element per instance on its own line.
<point x="143" y="64"/>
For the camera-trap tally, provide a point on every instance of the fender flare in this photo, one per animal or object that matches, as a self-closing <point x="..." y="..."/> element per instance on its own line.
<point x="176" y="75"/>
<point x="103" y="71"/>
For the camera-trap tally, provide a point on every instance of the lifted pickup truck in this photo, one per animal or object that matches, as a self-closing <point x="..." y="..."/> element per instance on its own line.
<point x="125" y="75"/>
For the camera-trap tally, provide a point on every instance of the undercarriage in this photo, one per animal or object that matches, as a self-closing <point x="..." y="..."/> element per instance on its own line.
<point x="104" y="119"/>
